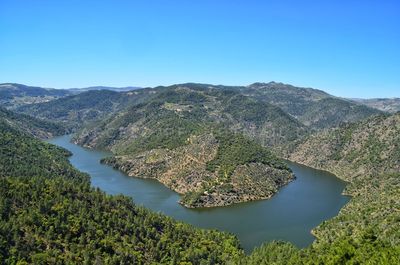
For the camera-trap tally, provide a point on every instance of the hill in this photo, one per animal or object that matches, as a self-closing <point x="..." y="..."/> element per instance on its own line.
<point x="177" y="134"/>
<point x="30" y="125"/>
<point x="264" y="122"/>
<point x="368" y="147"/>
<point x="14" y="95"/>
<point x="78" y="110"/>
<point x="391" y="105"/>
<point x="313" y="108"/>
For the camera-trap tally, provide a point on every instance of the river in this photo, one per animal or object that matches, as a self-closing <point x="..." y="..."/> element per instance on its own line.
<point x="290" y="215"/>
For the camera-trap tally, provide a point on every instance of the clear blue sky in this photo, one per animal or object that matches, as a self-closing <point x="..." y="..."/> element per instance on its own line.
<point x="348" y="48"/>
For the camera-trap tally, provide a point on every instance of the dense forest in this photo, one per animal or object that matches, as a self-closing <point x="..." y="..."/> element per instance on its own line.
<point x="33" y="126"/>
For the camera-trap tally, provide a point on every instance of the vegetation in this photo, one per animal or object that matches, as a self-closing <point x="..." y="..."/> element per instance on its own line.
<point x="50" y="214"/>
<point x="391" y="105"/>
<point x="78" y="110"/>
<point x="16" y="95"/>
<point x="367" y="155"/>
<point x="313" y="108"/>
<point x="212" y="168"/>
<point x="235" y="150"/>
<point x="30" y="125"/>
<point x="354" y="151"/>
<point x="102" y="113"/>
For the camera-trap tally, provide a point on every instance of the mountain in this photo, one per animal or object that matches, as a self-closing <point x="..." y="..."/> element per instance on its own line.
<point x="264" y="122"/>
<point x="14" y="95"/>
<point x="391" y="105"/>
<point x="354" y="150"/>
<point x="313" y="108"/>
<point x="51" y="214"/>
<point x="117" y="89"/>
<point x="77" y="110"/>
<point x="30" y="125"/>
<point x="184" y="136"/>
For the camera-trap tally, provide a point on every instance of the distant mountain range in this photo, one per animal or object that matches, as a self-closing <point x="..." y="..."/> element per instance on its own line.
<point x="118" y="89"/>
<point x="391" y="105"/>
<point x="297" y="101"/>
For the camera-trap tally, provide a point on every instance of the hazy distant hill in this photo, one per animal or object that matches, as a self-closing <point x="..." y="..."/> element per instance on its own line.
<point x="118" y="89"/>
<point x="391" y="105"/>
<point x="312" y="107"/>
<point x="14" y="95"/>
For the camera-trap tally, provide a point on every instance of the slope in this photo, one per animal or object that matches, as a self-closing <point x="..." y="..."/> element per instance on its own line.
<point x="14" y="95"/>
<point x="51" y="215"/>
<point x="367" y="154"/>
<point x="30" y="125"/>
<point x="312" y="107"/>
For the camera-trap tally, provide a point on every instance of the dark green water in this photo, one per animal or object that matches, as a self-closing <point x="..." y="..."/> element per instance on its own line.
<point x="313" y="197"/>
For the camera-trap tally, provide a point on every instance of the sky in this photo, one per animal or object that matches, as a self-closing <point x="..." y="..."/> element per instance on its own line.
<point x="347" y="48"/>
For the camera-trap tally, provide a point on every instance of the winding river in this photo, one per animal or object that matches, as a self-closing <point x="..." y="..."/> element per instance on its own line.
<point x="290" y="215"/>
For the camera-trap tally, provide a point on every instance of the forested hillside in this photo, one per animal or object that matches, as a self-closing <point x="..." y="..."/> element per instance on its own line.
<point x="78" y="110"/>
<point x="30" y="125"/>
<point x="367" y="229"/>
<point x="51" y="215"/>
<point x="353" y="151"/>
<point x="175" y="135"/>
<point x="314" y="108"/>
